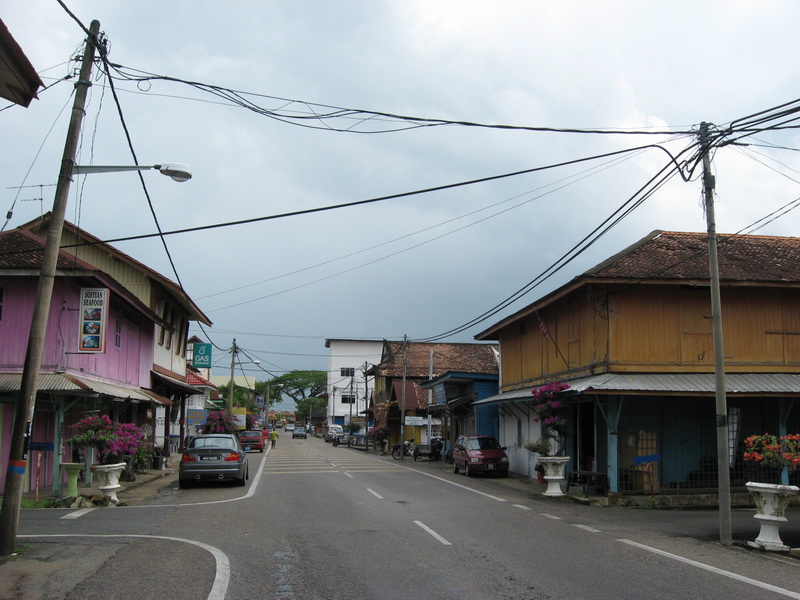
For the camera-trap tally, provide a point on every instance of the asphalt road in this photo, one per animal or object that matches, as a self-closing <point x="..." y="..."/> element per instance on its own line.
<point x="318" y="522"/>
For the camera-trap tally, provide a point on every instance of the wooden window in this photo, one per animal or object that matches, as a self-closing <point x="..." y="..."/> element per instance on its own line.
<point x="117" y="334"/>
<point x="1" y="304"/>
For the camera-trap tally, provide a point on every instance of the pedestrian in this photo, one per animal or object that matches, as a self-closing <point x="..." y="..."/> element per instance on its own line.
<point x="273" y="437"/>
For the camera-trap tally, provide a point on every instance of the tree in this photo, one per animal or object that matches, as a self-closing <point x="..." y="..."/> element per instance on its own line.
<point x="299" y="385"/>
<point x="306" y="405"/>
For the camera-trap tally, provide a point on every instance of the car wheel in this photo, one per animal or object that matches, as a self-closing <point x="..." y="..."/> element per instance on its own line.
<point x="184" y="484"/>
<point x="455" y="468"/>
<point x="467" y="471"/>
<point x="503" y="473"/>
<point x="262" y="450"/>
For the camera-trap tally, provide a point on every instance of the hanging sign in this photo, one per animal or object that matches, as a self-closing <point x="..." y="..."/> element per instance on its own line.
<point x="92" y="321"/>
<point x="201" y="356"/>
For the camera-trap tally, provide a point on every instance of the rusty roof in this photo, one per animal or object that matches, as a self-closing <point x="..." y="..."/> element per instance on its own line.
<point x="682" y="258"/>
<point x="20" y="249"/>
<point x="465" y="358"/>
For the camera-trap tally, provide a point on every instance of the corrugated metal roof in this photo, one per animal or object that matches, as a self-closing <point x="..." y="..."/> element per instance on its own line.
<point x="78" y="385"/>
<point x="687" y="383"/>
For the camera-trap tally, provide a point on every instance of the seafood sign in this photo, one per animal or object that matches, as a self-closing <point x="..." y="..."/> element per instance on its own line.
<point x="92" y="321"/>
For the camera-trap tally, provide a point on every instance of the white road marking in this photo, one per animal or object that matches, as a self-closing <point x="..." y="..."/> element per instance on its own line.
<point x="555" y="518"/>
<point x="78" y="513"/>
<point x="376" y="494"/>
<point x="586" y="528"/>
<point x="729" y="574"/>
<point x="433" y="533"/>
<point x="222" y="576"/>
<point x="522" y="507"/>
<point x="348" y="474"/>
<point x="458" y="485"/>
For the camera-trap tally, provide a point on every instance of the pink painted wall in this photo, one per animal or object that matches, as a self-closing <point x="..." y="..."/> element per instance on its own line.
<point x="129" y="363"/>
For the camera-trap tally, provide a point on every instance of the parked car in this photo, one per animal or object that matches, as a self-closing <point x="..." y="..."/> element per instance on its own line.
<point x="252" y="440"/>
<point x="479" y="454"/>
<point x="299" y="432"/>
<point x="213" y="456"/>
<point x="332" y="431"/>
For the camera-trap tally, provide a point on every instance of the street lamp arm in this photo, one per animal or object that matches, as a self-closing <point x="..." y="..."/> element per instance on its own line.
<point x="177" y="171"/>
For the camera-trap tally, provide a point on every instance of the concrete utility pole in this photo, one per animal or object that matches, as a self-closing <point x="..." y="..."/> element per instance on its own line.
<point x="403" y="401"/>
<point x="723" y="461"/>
<point x="26" y="401"/>
<point x="231" y="388"/>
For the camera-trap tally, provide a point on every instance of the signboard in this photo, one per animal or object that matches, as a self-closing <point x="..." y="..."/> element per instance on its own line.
<point x="240" y="414"/>
<point x="643" y="460"/>
<point x="440" y="394"/>
<point x="195" y="416"/>
<point x="201" y="356"/>
<point x="92" y="320"/>
<point x="415" y="421"/>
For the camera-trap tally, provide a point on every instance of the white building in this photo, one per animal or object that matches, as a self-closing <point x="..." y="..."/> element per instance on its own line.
<point x="349" y="390"/>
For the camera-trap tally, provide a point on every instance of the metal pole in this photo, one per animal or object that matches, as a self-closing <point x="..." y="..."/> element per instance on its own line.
<point x="723" y="462"/>
<point x="26" y="402"/>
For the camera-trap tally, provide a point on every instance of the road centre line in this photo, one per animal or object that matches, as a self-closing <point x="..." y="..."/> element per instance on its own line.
<point x="433" y="533"/>
<point x="724" y="573"/>
<point x="376" y="494"/>
<point x="348" y="474"/>
<point x="555" y="518"/>
<point x="222" y="575"/>
<point x="522" y="507"/>
<point x="78" y="513"/>
<point x="586" y="528"/>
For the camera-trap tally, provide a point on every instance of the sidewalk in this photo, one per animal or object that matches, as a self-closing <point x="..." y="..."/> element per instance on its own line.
<point x="147" y="485"/>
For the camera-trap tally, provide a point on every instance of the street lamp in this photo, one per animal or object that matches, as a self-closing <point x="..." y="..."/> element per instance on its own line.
<point x="177" y="171"/>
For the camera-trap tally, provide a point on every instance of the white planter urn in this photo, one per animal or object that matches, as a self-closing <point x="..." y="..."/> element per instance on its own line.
<point x="108" y="479"/>
<point x="771" y="502"/>
<point x="553" y="473"/>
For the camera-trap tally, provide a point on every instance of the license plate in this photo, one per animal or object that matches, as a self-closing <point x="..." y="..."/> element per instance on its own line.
<point x="490" y="467"/>
<point x="212" y="457"/>
<point x="247" y="448"/>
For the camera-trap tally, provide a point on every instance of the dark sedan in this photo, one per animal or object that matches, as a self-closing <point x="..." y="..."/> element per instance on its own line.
<point x="213" y="457"/>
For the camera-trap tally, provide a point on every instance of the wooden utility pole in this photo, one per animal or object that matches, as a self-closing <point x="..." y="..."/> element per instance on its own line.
<point x="723" y="462"/>
<point x="26" y="401"/>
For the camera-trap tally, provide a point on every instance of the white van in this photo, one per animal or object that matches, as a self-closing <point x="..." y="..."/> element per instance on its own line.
<point x="332" y="432"/>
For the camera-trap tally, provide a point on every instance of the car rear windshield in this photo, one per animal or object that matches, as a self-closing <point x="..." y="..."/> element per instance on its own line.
<point x="483" y="444"/>
<point x="212" y="442"/>
<point x="250" y="434"/>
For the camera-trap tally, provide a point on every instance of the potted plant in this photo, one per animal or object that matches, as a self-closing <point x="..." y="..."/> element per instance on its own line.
<point x="771" y="454"/>
<point x="548" y="411"/>
<point x="110" y="443"/>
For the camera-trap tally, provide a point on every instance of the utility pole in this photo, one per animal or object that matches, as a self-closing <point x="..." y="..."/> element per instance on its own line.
<point x="723" y="462"/>
<point x="26" y="401"/>
<point x="231" y="387"/>
<point x="403" y="400"/>
<point x="366" y="407"/>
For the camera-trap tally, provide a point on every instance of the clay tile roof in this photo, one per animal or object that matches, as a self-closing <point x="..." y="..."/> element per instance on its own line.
<point x="465" y="358"/>
<point x="675" y="255"/>
<point x="20" y="249"/>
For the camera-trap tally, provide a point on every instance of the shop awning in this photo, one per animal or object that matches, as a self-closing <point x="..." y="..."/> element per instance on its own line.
<point x="697" y="384"/>
<point x="80" y="385"/>
<point x="176" y="383"/>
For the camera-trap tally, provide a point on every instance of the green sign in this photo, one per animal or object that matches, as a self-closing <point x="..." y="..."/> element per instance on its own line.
<point x="201" y="358"/>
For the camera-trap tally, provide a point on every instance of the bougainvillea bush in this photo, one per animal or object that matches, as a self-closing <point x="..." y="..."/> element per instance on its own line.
<point x="111" y="441"/>
<point x="773" y="452"/>
<point x="220" y="421"/>
<point x="548" y="410"/>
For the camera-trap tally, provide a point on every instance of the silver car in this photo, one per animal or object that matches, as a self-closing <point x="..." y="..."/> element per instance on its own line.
<point x="213" y="457"/>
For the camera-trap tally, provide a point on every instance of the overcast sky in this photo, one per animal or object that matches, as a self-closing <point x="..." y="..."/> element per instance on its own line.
<point x="418" y="265"/>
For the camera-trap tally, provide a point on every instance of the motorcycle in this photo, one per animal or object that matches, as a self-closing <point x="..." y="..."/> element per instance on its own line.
<point x="408" y="449"/>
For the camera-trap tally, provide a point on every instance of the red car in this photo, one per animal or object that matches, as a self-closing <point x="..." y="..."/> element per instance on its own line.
<point x="479" y="454"/>
<point x="251" y="440"/>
